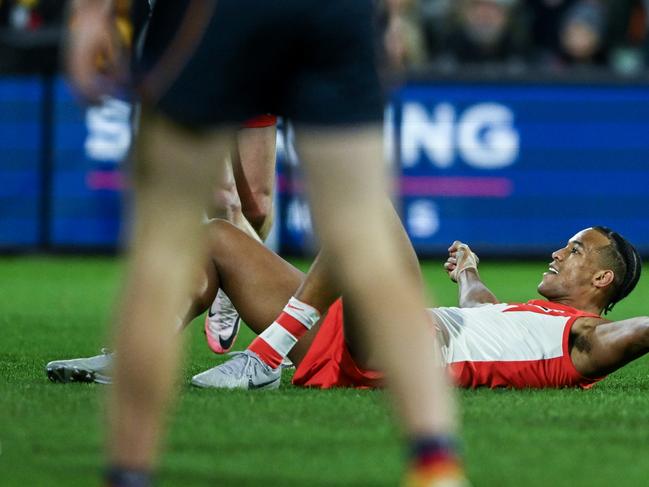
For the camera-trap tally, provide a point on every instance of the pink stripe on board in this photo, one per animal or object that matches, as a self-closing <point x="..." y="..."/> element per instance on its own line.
<point x="106" y="180"/>
<point x="430" y="186"/>
<point x="456" y="186"/>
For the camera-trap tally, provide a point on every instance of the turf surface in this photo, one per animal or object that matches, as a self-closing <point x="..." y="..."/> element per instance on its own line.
<point x="50" y="434"/>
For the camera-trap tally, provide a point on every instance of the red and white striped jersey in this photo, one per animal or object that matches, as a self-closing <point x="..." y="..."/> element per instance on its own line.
<point x="515" y="345"/>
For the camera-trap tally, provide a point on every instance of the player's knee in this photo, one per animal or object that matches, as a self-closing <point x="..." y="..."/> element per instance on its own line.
<point x="198" y="295"/>
<point x="226" y="200"/>
<point x="644" y="327"/>
<point x="259" y="211"/>
<point x="220" y="231"/>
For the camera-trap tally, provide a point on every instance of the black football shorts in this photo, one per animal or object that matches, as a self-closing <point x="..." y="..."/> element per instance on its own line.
<point x="211" y="62"/>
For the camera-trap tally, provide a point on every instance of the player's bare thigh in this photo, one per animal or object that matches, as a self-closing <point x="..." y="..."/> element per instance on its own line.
<point x="170" y="154"/>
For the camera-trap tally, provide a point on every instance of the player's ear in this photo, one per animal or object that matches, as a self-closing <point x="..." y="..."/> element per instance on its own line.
<point x="603" y="278"/>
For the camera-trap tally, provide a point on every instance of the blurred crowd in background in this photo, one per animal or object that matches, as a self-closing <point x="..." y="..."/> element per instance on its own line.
<point x="30" y="35"/>
<point x="547" y="35"/>
<point x="30" y="15"/>
<point x="552" y="36"/>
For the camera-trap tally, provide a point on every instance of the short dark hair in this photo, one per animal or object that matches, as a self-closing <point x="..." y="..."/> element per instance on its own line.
<point x="625" y="262"/>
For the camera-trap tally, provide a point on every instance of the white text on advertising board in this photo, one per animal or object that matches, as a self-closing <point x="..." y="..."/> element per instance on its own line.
<point x="483" y="136"/>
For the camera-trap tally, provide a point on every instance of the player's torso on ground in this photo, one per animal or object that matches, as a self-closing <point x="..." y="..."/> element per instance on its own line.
<point x="511" y="345"/>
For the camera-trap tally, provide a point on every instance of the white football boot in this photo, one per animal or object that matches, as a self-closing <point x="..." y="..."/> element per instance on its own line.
<point x="91" y="369"/>
<point x="244" y="371"/>
<point x="222" y="324"/>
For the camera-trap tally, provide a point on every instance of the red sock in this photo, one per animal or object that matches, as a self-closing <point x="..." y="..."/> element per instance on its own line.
<point x="274" y="343"/>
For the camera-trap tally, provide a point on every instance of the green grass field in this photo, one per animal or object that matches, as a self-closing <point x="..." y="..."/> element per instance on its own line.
<point x="51" y="434"/>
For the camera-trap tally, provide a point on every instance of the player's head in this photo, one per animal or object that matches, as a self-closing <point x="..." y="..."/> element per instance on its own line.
<point x="597" y="266"/>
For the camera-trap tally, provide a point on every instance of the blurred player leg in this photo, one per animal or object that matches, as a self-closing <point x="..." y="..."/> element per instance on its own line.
<point x="340" y="142"/>
<point x="348" y="185"/>
<point x="174" y="178"/>
<point x="409" y="266"/>
<point x="373" y="262"/>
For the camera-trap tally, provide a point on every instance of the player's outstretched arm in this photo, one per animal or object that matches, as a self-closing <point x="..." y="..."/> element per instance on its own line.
<point x="602" y="349"/>
<point x="462" y="267"/>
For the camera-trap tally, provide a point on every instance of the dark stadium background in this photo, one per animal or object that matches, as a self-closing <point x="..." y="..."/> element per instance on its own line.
<point x="511" y="145"/>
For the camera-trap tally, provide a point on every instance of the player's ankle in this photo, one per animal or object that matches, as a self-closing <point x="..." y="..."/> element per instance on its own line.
<point x="265" y="353"/>
<point x="274" y="343"/>
<point x="306" y="314"/>
<point x="128" y="477"/>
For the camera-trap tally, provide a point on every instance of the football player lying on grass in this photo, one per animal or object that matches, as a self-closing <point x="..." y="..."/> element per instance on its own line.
<point x="561" y="341"/>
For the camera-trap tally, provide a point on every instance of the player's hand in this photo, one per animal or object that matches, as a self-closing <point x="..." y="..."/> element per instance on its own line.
<point x="460" y="258"/>
<point x="94" y="58"/>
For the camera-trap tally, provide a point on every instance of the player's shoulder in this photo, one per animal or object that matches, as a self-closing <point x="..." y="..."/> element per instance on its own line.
<point x="586" y="324"/>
